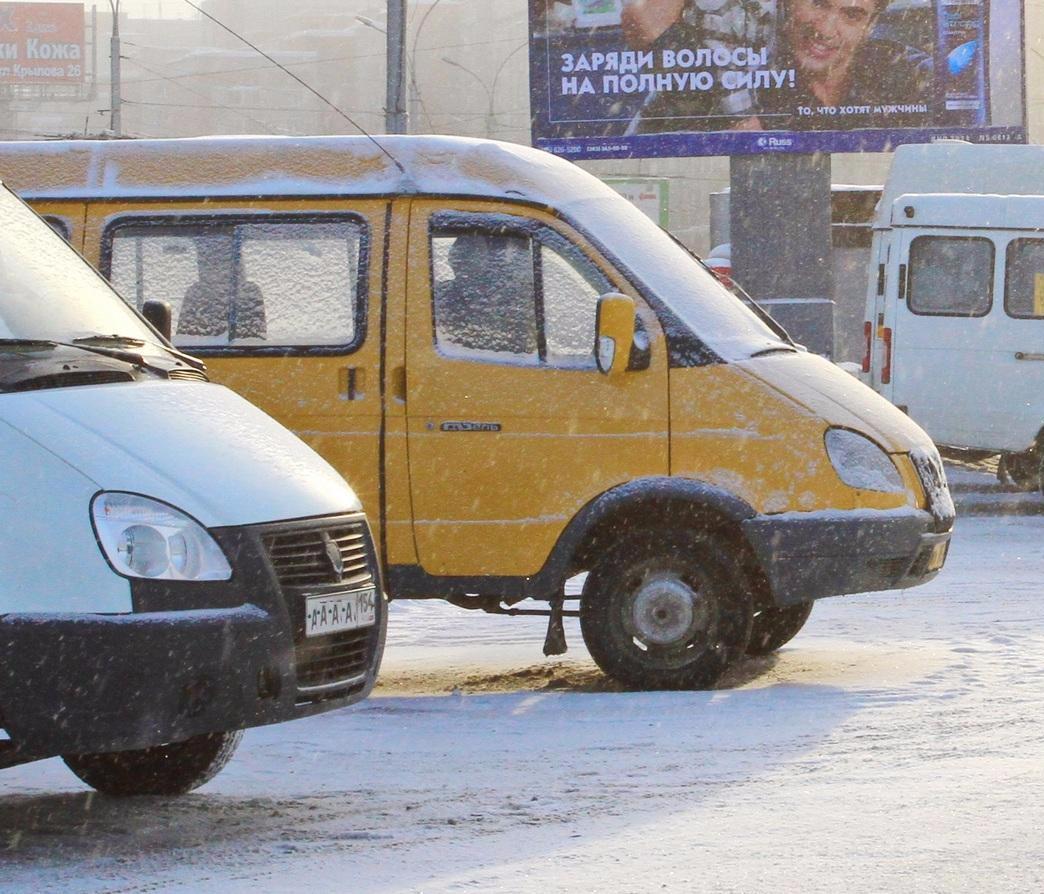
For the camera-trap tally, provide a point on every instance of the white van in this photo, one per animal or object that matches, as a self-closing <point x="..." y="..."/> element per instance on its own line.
<point x="955" y="307"/>
<point x="175" y="566"/>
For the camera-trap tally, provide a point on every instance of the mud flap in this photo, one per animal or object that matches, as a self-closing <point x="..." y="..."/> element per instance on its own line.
<point x="555" y="641"/>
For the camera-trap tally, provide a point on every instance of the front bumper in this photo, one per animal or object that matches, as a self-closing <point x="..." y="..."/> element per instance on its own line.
<point x="807" y="556"/>
<point x="192" y="659"/>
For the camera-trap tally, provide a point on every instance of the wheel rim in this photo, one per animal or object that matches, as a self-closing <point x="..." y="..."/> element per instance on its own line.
<point x="667" y="612"/>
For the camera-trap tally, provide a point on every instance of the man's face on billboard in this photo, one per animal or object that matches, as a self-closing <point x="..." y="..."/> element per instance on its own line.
<point x="825" y="34"/>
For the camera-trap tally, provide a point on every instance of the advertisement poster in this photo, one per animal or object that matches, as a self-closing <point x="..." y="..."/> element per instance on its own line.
<point x="648" y="78"/>
<point x="41" y="43"/>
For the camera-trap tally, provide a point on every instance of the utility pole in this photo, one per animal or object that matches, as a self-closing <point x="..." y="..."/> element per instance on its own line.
<point x="115" y="123"/>
<point x="396" y="119"/>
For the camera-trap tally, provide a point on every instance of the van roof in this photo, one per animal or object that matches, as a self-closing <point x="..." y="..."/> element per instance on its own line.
<point x="275" y="165"/>
<point x="955" y="167"/>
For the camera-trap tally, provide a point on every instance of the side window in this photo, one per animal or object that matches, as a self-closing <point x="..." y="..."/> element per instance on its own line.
<point x="1024" y="280"/>
<point x="506" y="289"/>
<point x="951" y="276"/>
<point x="243" y="283"/>
<point x="484" y="290"/>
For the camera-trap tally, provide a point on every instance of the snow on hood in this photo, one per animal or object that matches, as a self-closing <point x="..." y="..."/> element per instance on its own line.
<point x="198" y="447"/>
<point x="838" y="398"/>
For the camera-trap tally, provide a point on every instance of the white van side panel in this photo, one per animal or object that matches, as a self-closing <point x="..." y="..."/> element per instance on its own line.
<point x="966" y="379"/>
<point x="49" y="559"/>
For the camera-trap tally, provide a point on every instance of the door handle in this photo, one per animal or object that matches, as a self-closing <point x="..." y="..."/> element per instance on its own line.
<point x="352" y="384"/>
<point x="1022" y="355"/>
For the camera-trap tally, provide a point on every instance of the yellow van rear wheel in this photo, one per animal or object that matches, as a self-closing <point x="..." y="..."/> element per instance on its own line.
<point x="666" y="609"/>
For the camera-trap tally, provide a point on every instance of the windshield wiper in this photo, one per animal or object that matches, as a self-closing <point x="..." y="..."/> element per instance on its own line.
<point x="110" y="340"/>
<point x="27" y="343"/>
<point x="111" y="345"/>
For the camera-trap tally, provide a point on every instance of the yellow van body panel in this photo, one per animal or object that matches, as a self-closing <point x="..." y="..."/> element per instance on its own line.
<point x="542" y="442"/>
<point x="732" y="430"/>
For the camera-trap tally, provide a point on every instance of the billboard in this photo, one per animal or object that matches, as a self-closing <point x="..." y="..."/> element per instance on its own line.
<point x="648" y="78"/>
<point x="41" y="43"/>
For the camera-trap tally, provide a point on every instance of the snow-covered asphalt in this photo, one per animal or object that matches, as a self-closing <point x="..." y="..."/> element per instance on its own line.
<point x="896" y="745"/>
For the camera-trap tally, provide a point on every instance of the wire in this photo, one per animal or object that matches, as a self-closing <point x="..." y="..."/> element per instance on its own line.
<point x="267" y="127"/>
<point x="300" y="81"/>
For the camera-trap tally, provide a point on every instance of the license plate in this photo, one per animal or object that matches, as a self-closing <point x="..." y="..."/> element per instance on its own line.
<point x="335" y="612"/>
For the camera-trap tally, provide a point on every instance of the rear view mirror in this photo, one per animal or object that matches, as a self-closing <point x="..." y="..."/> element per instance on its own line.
<point x="614" y="324"/>
<point x="160" y="315"/>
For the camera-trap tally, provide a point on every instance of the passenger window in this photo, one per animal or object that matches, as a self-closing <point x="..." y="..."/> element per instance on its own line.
<point x="280" y="283"/>
<point x="484" y="296"/>
<point x="1024" y="280"/>
<point x="951" y="276"/>
<point x="508" y="290"/>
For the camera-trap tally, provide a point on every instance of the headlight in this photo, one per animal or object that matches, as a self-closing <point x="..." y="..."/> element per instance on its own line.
<point x="860" y="463"/>
<point x="146" y="538"/>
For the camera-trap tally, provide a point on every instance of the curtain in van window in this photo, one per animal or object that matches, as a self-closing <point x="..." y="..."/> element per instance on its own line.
<point x="1024" y="281"/>
<point x="242" y="283"/>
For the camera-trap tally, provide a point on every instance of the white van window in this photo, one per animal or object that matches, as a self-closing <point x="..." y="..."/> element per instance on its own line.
<point x="509" y="290"/>
<point x="1024" y="280"/>
<point x="951" y="276"/>
<point x="245" y="283"/>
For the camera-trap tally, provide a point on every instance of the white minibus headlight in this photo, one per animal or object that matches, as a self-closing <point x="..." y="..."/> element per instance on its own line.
<point x="860" y="463"/>
<point x="146" y="538"/>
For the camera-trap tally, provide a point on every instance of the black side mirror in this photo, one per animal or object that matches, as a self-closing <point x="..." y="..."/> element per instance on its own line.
<point x="159" y="315"/>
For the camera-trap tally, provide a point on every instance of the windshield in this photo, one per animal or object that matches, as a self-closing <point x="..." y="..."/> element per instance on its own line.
<point x="716" y="316"/>
<point x="47" y="291"/>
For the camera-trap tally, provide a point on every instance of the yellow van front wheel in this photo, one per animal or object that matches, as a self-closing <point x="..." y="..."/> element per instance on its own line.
<point x="666" y="609"/>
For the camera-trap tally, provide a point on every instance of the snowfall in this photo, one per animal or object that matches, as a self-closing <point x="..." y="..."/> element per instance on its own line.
<point x="897" y="744"/>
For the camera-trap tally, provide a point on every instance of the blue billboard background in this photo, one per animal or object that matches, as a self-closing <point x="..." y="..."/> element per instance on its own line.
<point x="655" y="78"/>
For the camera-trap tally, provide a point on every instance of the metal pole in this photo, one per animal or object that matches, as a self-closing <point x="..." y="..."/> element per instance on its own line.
<point x="115" y="123"/>
<point x="781" y="242"/>
<point x="395" y="116"/>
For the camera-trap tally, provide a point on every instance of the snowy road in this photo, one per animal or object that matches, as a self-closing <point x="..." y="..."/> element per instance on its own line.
<point x="896" y="745"/>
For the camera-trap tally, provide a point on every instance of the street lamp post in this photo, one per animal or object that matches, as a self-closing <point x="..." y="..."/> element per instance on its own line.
<point x="115" y="118"/>
<point x="491" y="92"/>
<point x="486" y="90"/>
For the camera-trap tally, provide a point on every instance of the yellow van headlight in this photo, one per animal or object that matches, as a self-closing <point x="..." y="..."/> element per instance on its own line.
<point x="860" y="463"/>
<point x="142" y="537"/>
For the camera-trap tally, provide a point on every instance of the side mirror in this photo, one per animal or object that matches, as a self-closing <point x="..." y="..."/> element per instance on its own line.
<point x="614" y="325"/>
<point x="159" y="314"/>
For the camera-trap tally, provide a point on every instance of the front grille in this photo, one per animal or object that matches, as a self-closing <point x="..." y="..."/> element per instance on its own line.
<point x="933" y="480"/>
<point x="330" y="660"/>
<point x="310" y="561"/>
<point x="304" y="558"/>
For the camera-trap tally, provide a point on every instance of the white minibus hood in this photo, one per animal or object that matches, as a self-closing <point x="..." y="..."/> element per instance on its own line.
<point x="196" y="446"/>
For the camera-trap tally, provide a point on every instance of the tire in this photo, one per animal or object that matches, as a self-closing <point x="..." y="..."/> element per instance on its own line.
<point x="774" y="627"/>
<point x="666" y="609"/>
<point x="172" y="769"/>
<point x="1024" y="470"/>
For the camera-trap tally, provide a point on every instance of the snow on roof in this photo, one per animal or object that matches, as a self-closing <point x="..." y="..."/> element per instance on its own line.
<point x="957" y="167"/>
<point x="273" y="165"/>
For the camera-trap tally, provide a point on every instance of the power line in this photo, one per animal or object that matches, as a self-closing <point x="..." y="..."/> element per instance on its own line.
<point x="300" y="81"/>
<point x="323" y="61"/>
<point x="140" y="64"/>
